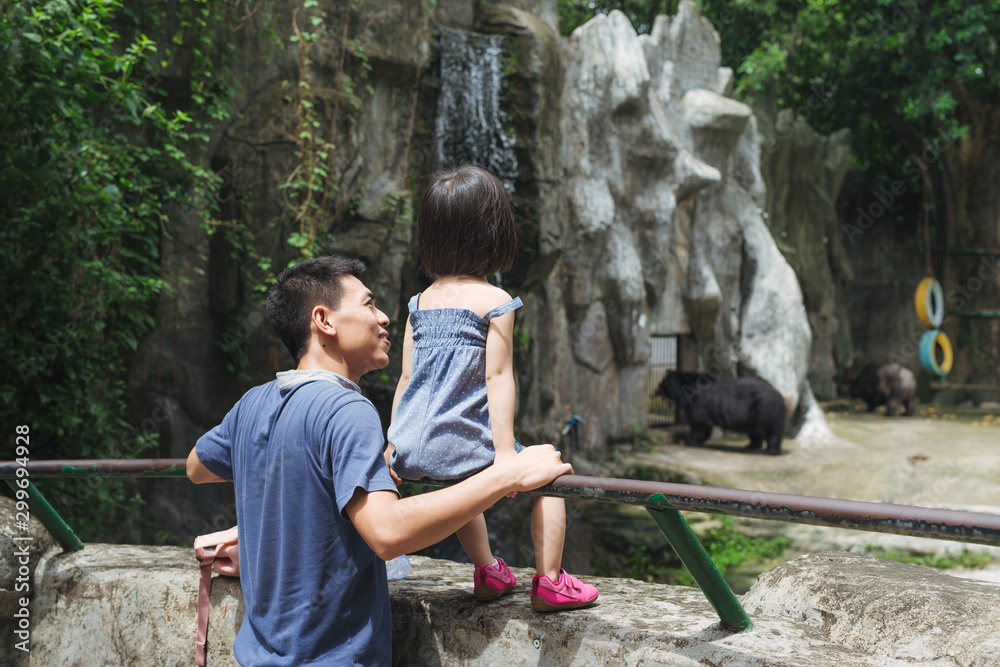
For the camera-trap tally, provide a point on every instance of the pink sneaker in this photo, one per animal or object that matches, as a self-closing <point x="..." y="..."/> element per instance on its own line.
<point x="567" y="593"/>
<point x="492" y="581"/>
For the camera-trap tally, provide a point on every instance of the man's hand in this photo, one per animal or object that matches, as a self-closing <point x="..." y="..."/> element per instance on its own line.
<point x="535" y="466"/>
<point x="389" y="449"/>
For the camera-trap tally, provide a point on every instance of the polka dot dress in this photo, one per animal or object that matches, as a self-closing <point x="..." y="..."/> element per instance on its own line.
<point x="441" y="429"/>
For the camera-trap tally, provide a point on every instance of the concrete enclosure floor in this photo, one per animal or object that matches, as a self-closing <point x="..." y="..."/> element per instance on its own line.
<point x="940" y="457"/>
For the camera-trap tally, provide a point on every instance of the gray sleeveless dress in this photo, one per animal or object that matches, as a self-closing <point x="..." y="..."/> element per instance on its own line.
<point x="441" y="429"/>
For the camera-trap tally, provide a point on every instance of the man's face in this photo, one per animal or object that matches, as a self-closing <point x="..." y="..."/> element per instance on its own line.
<point x="361" y="329"/>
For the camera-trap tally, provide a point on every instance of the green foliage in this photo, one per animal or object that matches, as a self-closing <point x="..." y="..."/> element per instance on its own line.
<point x="727" y="547"/>
<point x="908" y="77"/>
<point x="756" y="72"/>
<point x="574" y="13"/>
<point x="642" y="565"/>
<point x="641" y="438"/>
<point x="400" y="204"/>
<point x="967" y="560"/>
<point x="746" y="25"/>
<point x="895" y="72"/>
<point x="312" y="195"/>
<point x="91" y="164"/>
<point x="522" y="337"/>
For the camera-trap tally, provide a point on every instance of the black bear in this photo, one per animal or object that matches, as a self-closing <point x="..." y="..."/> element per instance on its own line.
<point x="745" y="405"/>
<point x="890" y="385"/>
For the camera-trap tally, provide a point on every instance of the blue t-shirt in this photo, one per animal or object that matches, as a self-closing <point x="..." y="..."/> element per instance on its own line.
<point x="297" y="449"/>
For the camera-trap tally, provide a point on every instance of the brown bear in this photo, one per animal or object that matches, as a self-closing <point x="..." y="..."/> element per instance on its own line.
<point x="890" y="385"/>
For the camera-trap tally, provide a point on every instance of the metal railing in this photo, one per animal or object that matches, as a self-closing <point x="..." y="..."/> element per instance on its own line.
<point x="664" y="502"/>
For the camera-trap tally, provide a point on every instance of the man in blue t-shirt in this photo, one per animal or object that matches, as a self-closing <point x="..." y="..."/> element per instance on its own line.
<point x="318" y="511"/>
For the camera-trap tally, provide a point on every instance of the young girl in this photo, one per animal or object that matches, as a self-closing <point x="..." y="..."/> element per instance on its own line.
<point x="453" y="413"/>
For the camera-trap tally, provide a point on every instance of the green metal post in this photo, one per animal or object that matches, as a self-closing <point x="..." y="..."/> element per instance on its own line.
<point x="697" y="561"/>
<point x="41" y="508"/>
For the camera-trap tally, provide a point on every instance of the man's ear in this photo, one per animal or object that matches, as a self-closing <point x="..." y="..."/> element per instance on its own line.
<point x="322" y="321"/>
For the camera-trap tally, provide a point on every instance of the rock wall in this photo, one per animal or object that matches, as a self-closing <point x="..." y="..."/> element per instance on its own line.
<point x="882" y="608"/>
<point x="636" y="179"/>
<point x="212" y="318"/>
<point x="804" y="172"/>
<point x="661" y="232"/>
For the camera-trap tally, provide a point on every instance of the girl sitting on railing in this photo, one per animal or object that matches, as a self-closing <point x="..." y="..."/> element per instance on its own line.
<point x="453" y="412"/>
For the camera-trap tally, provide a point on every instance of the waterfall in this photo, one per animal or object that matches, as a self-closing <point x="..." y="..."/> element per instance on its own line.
<point x="470" y="122"/>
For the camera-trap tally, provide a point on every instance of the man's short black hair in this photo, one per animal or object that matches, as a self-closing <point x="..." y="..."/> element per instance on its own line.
<point x="465" y="224"/>
<point x="301" y="287"/>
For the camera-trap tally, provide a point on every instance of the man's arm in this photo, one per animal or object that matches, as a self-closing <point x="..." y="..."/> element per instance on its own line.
<point x="197" y="472"/>
<point x="393" y="526"/>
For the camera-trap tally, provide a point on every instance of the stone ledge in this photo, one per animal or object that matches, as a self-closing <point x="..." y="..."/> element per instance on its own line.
<point x="136" y="605"/>
<point x="886" y="608"/>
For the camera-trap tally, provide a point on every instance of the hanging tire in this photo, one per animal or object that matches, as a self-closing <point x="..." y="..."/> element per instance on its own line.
<point x="929" y="300"/>
<point x="928" y="353"/>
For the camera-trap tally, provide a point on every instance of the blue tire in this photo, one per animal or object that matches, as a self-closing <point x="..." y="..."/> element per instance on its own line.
<point x="928" y="354"/>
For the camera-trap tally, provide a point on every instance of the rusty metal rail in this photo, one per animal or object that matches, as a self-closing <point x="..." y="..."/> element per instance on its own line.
<point x="98" y="468"/>
<point x="664" y="502"/>
<point x="976" y="527"/>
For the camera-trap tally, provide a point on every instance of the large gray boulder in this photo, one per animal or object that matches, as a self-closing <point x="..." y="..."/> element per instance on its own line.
<point x="122" y="605"/>
<point x="663" y="233"/>
<point x="885" y="609"/>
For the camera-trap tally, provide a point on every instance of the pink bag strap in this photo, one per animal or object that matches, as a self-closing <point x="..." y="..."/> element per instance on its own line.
<point x="204" y="598"/>
<point x="225" y="543"/>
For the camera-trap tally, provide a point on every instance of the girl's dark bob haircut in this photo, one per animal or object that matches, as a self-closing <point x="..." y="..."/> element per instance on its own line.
<point x="465" y="224"/>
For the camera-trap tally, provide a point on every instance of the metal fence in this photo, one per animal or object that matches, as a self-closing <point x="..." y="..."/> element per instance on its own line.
<point x="663" y="357"/>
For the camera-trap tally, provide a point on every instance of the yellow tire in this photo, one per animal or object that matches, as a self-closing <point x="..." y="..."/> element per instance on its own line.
<point x="929" y="301"/>
<point x="929" y="342"/>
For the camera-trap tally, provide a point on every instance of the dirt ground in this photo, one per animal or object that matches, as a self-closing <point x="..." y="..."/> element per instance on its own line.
<point x="940" y="457"/>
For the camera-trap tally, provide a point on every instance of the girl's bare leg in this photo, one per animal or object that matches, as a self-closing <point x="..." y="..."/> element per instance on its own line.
<point x="476" y="541"/>
<point x="548" y="531"/>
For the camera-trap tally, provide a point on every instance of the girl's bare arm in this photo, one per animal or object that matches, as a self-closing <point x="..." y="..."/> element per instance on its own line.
<point x="500" y="392"/>
<point x="404" y="381"/>
<point x="404" y="375"/>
